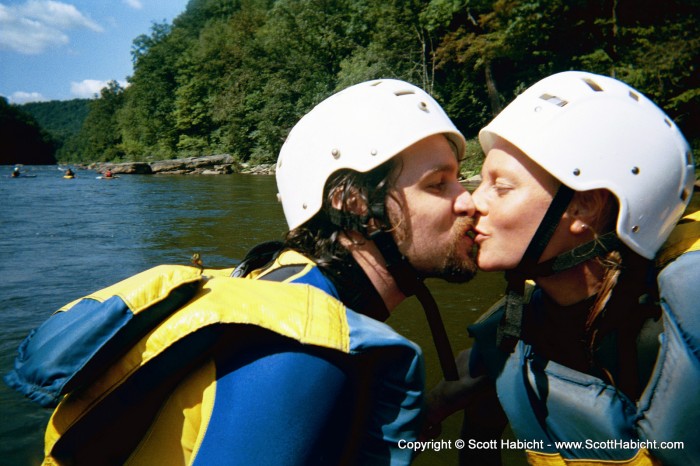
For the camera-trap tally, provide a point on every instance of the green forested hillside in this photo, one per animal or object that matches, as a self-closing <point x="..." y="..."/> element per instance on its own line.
<point x="62" y="119"/>
<point x="22" y="140"/>
<point x="234" y="75"/>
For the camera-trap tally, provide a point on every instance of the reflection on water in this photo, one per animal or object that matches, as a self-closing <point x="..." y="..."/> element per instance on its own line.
<point x="61" y="239"/>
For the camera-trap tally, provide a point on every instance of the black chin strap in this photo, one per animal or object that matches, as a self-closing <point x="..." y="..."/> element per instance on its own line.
<point x="594" y="248"/>
<point x="410" y="284"/>
<point x="509" y="329"/>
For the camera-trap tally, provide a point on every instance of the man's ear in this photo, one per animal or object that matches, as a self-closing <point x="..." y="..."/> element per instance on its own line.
<point x="348" y="201"/>
<point x="590" y="210"/>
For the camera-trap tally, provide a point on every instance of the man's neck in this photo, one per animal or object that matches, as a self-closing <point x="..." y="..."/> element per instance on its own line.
<point x="372" y="263"/>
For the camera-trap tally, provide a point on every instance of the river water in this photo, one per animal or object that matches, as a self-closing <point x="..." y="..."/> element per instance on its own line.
<point x="61" y="239"/>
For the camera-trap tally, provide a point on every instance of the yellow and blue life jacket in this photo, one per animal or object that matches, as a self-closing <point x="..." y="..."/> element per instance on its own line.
<point x="135" y="367"/>
<point x="572" y="418"/>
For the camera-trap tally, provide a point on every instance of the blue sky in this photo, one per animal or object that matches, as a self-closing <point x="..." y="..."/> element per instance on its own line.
<point x="67" y="49"/>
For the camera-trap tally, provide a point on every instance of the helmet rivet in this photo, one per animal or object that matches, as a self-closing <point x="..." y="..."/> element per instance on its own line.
<point x="635" y="229"/>
<point x="635" y="170"/>
<point x="577" y="172"/>
<point x="373" y="152"/>
<point x="538" y="109"/>
<point x="423" y="106"/>
<point x="335" y="153"/>
<point x="304" y="206"/>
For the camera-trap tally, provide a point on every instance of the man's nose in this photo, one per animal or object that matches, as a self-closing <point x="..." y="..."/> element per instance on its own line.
<point x="464" y="204"/>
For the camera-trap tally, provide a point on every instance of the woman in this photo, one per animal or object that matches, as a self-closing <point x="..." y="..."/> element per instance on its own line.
<point x="583" y="182"/>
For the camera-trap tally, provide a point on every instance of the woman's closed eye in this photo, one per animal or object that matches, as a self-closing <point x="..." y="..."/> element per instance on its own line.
<point x="502" y="188"/>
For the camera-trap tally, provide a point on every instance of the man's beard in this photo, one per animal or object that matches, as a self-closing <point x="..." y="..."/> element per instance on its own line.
<point x="457" y="270"/>
<point x="456" y="267"/>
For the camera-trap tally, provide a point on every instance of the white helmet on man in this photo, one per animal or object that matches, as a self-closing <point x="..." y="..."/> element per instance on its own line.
<point x="358" y="128"/>
<point x="592" y="131"/>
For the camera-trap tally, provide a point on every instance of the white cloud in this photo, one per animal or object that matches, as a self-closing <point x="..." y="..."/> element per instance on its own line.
<point x="58" y="14"/>
<point x="21" y="97"/>
<point x="32" y="27"/>
<point x="89" y="88"/>
<point x="135" y="4"/>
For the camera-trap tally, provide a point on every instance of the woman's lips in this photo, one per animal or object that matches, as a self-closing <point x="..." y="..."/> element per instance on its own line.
<point x="479" y="237"/>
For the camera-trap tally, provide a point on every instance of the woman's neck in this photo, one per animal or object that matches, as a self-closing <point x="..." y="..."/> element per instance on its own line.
<point x="573" y="285"/>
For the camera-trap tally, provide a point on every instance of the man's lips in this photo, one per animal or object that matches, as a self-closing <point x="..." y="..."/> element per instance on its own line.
<point x="469" y="237"/>
<point x="469" y="233"/>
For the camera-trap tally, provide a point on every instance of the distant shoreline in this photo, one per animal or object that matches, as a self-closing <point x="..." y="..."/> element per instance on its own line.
<point x="221" y="164"/>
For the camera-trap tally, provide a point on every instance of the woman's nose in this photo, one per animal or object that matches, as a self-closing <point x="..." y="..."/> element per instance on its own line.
<point x="478" y="201"/>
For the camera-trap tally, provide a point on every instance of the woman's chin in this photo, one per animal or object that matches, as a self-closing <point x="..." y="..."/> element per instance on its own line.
<point x="492" y="264"/>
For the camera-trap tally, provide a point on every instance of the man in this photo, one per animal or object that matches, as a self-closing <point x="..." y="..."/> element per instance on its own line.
<point x="368" y="181"/>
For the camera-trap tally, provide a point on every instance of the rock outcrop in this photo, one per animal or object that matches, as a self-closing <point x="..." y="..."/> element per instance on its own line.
<point x="222" y="164"/>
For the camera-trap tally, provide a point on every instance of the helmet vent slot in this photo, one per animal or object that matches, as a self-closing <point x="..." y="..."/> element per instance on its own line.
<point x="684" y="195"/>
<point x="593" y="85"/>
<point x="689" y="157"/>
<point x="634" y="95"/>
<point x="554" y="100"/>
<point x="406" y="92"/>
<point x="668" y="122"/>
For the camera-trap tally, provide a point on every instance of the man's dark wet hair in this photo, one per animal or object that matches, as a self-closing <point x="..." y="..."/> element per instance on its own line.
<point x="319" y="237"/>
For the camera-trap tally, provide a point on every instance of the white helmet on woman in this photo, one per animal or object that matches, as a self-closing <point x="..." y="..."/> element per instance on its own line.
<point x="358" y="128"/>
<point x="592" y="131"/>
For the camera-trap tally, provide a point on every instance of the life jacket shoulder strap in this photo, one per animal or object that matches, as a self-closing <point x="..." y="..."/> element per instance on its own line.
<point x="86" y="335"/>
<point x="685" y="237"/>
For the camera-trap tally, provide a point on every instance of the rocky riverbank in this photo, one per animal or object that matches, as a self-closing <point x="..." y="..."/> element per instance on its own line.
<point x="222" y="164"/>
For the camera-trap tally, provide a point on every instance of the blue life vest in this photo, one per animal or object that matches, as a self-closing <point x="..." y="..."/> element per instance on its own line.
<point x="569" y="417"/>
<point x="121" y="361"/>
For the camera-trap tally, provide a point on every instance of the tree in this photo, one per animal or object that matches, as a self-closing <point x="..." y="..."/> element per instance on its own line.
<point x="146" y="119"/>
<point x="100" y="137"/>
<point x="295" y="55"/>
<point x="659" y="54"/>
<point x="62" y="120"/>
<point x="234" y="76"/>
<point x="22" y="141"/>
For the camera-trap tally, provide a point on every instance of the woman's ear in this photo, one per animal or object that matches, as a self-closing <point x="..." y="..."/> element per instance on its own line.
<point x="590" y="211"/>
